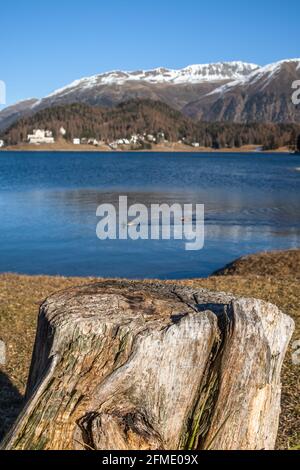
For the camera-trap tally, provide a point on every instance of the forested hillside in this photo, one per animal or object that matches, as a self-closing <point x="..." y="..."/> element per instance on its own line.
<point x="150" y="117"/>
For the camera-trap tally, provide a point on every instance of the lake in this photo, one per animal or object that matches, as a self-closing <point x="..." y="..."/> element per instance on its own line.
<point x="48" y="205"/>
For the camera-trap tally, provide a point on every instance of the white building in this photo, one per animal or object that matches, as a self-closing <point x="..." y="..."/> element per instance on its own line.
<point x="76" y="141"/>
<point x="160" y="137"/>
<point x="122" y="141"/>
<point x="62" y="131"/>
<point x="1" y="143"/>
<point x="113" y="145"/>
<point x="93" y="142"/>
<point x="41" y="136"/>
<point x="134" y="139"/>
<point x="195" y="144"/>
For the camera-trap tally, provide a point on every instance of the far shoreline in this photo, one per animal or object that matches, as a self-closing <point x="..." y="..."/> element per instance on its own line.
<point x="162" y="148"/>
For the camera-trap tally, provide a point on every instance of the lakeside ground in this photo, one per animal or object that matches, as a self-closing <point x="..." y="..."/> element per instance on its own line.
<point x="274" y="277"/>
<point x="63" y="146"/>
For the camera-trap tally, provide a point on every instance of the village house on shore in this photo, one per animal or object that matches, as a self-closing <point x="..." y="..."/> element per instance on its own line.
<point x="136" y="141"/>
<point x="41" y="136"/>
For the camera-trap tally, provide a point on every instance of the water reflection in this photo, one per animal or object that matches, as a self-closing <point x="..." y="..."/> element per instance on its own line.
<point x="48" y="211"/>
<point x="81" y="204"/>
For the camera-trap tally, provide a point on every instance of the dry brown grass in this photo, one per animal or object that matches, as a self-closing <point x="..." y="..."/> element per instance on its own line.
<point x="272" y="263"/>
<point x="20" y="297"/>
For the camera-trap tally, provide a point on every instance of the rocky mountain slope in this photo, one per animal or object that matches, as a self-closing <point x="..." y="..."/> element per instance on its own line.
<point x="12" y="113"/>
<point x="265" y="95"/>
<point x="174" y="87"/>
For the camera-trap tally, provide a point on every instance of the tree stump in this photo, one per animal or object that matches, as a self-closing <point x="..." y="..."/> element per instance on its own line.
<point x="122" y="365"/>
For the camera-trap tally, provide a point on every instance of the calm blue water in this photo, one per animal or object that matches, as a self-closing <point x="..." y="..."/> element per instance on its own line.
<point x="48" y="207"/>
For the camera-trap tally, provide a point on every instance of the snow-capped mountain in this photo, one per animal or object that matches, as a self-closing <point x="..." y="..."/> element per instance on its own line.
<point x="264" y="95"/>
<point x="230" y="91"/>
<point x="191" y="74"/>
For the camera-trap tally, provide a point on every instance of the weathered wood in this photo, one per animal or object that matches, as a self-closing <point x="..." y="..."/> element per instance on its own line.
<point x="120" y="365"/>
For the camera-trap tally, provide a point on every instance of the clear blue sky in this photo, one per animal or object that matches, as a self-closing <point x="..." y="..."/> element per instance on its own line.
<point x="45" y="45"/>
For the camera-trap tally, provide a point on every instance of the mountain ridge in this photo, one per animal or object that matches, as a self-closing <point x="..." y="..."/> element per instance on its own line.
<point x="223" y="91"/>
<point x="191" y="74"/>
<point x="265" y="95"/>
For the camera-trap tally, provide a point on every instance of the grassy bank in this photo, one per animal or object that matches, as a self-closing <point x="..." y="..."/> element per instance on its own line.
<point x="63" y="146"/>
<point x="273" y="277"/>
